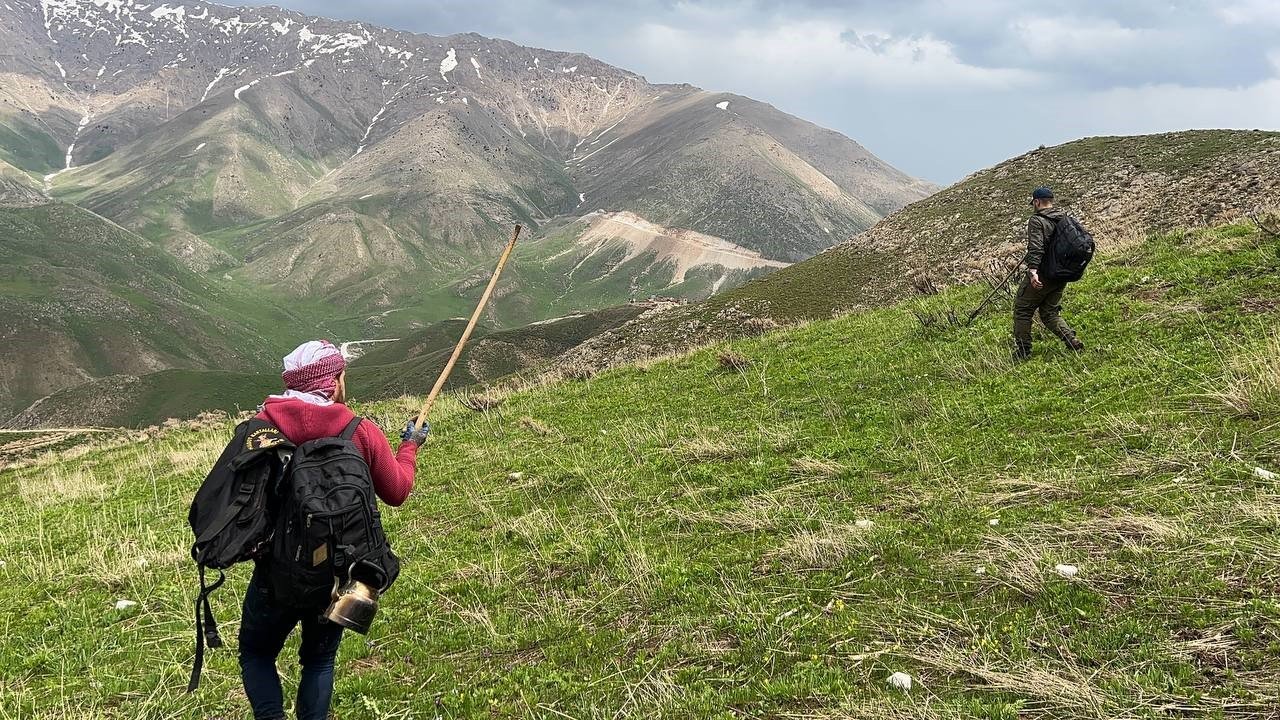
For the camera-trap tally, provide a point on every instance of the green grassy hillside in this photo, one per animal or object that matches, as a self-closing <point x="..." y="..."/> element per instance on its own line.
<point x="413" y="364"/>
<point x="83" y="298"/>
<point x="679" y="540"/>
<point x="132" y="401"/>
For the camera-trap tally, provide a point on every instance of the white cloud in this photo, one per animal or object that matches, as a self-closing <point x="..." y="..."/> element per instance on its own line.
<point x="1250" y="12"/>
<point x="812" y="55"/>
<point x="938" y="87"/>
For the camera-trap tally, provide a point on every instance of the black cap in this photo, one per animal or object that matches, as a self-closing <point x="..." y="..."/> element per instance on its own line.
<point x="1042" y="193"/>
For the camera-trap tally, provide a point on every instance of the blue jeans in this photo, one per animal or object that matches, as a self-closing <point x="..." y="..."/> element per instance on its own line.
<point x="264" y="627"/>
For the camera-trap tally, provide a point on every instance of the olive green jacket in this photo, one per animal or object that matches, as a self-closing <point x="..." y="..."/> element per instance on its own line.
<point x="1039" y="230"/>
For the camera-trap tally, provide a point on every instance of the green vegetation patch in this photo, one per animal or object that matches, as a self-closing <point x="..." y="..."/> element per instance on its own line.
<point x="765" y="529"/>
<point x="28" y="147"/>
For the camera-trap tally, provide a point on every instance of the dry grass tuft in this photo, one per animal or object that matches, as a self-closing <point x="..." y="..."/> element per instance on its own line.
<point x="923" y="284"/>
<point x="975" y="364"/>
<point x="733" y="361"/>
<point x="481" y="402"/>
<point x="1017" y="562"/>
<point x="1125" y="530"/>
<point x="1066" y="688"/>
<point x="704" y="448"/>
<point x="757" y="326"/>
<point x="1016" y="491"/>
<point x="815" y="468"/>
<point x="762" y="511"/>
<point x="198" y="455"/>
<point x="822" y="548"/>
<point x="579" y="371"/>
<point x="537" y="427"/>
<point x="1251" y="388"/>
<point x="57" y="484"/>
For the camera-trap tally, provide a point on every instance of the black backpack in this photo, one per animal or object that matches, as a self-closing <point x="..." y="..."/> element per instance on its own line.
<point x="328" y="528"/>
<point x="231" y="516"/>
<point x="1069" y="252"/>
<point x="309" y="513"/>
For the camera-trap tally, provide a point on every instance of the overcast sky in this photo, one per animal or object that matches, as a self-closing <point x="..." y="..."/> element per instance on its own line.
<point x="939" y="88"/>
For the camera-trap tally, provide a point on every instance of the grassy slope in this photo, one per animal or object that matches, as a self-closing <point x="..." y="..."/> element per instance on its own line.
<point x="1114" y="183"/>
<point x="80" y="292"/>
<point x="137" y="401"/>
<point x="28" y="147"/>
<point x="412" y="365"/>
<point x="684" y="541"/>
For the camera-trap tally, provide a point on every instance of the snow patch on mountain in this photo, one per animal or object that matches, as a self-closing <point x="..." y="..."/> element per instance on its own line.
<point x="222" y="72"/>
<point x="177" y="16"/>
<point x="325" y="44"/>
<point x="243" y="88"/>
<point x="234" y="25"/>
<point x="723" y="105"/>
<point x="449" y="62"/>
<point x="368" y="130"/>
<point x="476" y="64"/>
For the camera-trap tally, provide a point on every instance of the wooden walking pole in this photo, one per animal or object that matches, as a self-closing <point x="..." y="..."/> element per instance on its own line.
<point x="466" y="334"/>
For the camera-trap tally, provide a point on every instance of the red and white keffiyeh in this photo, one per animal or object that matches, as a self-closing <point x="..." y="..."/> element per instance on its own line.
<point x="311" y="372"/>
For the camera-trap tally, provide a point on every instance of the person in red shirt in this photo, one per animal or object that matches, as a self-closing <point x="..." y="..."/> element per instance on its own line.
<point x="313" y="406"/>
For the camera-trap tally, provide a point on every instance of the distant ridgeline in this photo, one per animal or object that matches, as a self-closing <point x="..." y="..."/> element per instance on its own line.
<point x="276" y="175"/>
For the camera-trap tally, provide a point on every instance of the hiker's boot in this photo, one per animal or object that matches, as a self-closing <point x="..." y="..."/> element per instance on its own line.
<point x="1021" y="351"/>
<point x="1073" y="343"/>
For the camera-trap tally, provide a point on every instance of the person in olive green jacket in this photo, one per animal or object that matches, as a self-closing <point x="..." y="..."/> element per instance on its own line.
<point x="1037" y="295"/>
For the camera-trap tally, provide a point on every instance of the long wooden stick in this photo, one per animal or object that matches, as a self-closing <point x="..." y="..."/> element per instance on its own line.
<point x="466" y="334"/>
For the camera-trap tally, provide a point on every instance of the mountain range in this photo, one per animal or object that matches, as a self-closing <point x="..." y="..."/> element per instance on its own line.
<point x="364" y="177"/>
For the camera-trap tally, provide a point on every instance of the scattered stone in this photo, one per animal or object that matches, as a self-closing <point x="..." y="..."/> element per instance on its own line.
<point x="864" y="524"/>
<point x="125" y="604"/>
<point x="1267" y="475"/>
<point x="901" y="681"/>
<point x="3" y="564"/>
<point x="980" y="570"/>
<point x="993" y="522"/>
<point x="515" y="476"/>
<point x="1066" y="571"/>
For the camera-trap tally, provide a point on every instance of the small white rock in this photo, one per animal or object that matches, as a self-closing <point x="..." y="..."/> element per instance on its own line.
<point x="980" y="570"/>
<point x="1264" y="474"/>
<point x="516" y="476"/>
<point x="864" y="524"/>
<point x="993" y="522"/>
<point x="1066" y="571"/>
<point x="3" y="564"/>
<point x="142" y="562"/>
<point x="125" y="604"/>
<point x="901" y="681"/>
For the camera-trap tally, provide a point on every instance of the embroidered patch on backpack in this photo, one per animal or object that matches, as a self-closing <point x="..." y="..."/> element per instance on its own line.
<point x="264" y="438"/>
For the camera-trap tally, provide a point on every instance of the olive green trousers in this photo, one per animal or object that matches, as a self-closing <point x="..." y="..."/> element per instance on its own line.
<point x="1048" y="302"/>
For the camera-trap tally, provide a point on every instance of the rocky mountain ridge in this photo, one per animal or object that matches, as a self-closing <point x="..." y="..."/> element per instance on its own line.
<point x="365" y="177"/>
<point x="186" y="119"/>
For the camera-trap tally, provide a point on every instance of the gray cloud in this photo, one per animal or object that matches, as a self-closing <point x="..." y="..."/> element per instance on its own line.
<point x="938" y="87"/>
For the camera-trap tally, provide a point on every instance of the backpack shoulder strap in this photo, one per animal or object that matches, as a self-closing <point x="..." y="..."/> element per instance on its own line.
<point x="349" y="432"/>
<point x="206" y="627"/>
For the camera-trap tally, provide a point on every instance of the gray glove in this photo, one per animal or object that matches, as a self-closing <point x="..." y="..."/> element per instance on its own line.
<point x="417" y="437"/>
